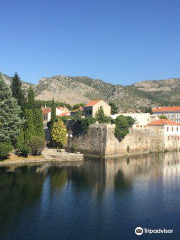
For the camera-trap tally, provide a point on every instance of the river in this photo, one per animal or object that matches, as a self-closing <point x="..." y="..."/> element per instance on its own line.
<point x="93" y="200"/>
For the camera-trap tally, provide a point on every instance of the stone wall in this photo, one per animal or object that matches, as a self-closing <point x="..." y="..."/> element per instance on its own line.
<point x="100" y="141"/>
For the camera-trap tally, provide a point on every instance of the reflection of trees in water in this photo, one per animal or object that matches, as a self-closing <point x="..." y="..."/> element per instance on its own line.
<point x="58" y="178"/>
<point x="89" y="176"/>
<point x="121" y="182"/>
<point x="18" y="189"/>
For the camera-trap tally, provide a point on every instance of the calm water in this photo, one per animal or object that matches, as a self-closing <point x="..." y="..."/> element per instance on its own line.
<point x="91" y="201"/>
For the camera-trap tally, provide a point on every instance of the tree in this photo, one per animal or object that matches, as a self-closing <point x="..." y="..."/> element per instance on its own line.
<point x="36" y="145"/>
<point x="38" y="123"/>
<point x="78" y="105"/>
<point x="53" y="111"/>
<point x="31" y="104"/>
<point x="10" y="121"/>
<point x="17" y="92"/>
<point x="59" y="134"/>
<point x="130" y="121"/>
<point x="29" y="130"/>
<point x="114" y="108"/>
<point x="122" y="127"/>
<point x="101" y="117"/>
<point x="162" y="117"/>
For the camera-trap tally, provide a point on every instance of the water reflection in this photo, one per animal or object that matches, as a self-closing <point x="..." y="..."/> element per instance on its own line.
<point x="146" y="179"/>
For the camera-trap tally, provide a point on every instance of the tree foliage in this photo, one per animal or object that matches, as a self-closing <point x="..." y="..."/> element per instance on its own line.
<point x="59" y="133"/>
<point x="114" y="108"/>
<point x="101" y="117"/>
<point x="38" y="123"/>
<point x="17" y="92"/>
<point x="36" y="145"/>
<point x="31" y="103"/>
<point x="122" y="127"/>
<point x="5" y="149"/>
<point x="10" y="120"/>
<point x="29" y="129"/>
<point x="162" y="117"/>
<point x="78" y="105"/>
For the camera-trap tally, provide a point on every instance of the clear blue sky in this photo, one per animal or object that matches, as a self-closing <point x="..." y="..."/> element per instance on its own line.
<point x="118" y="41"/>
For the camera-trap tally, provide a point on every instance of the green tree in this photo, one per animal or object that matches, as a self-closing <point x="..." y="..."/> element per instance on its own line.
<point x="59" y="134"/>
<point x="17" y="92"/>
<point x="114" y="108"/>
<point x="53" y="111"/>
<point x="162" y="117"/>
<point x="29" y="130"/>
<point x="130" y="121"/>
<point x="10" y="121"/>
<point x="38" y="123"/>
<point x="101" y="117"/>
<point x="78" y="105"/>
<point x="122" y="127"/>
<point x="31" y="103"/>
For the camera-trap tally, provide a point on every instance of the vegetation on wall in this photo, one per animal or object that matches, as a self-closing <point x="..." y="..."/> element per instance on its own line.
<point x="101" y="117"/>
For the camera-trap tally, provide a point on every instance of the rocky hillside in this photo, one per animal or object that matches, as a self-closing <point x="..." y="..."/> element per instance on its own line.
<point x="82" y="89"/>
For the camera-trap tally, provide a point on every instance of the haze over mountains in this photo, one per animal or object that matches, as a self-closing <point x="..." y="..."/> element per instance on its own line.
<point x="74" y="90"/>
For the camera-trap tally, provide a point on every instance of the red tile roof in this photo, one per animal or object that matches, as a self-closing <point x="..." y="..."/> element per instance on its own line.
<point x="167" y="109"/>
<point x="92" y="103"/>
<point x="162" y="122"/>
<point x="46" y="110"/>
<point x="64" y="114"/>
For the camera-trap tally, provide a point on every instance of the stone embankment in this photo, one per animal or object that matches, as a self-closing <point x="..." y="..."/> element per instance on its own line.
<point x="100" y="141"/>
<point x="48" y="156"/>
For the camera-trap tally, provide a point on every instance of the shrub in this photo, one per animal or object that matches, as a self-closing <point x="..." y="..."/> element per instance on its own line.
<point x="122" y="127"/>
<point x="24" y="150"/>
<point x="5" y="149"/>
<point x="36" y="145"/>
<point x="101" y="117"/>
<point x="86" y="122"/>
<point x="73" y="148"/>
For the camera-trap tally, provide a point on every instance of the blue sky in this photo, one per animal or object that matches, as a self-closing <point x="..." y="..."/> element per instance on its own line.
<point x="118" y="41"/>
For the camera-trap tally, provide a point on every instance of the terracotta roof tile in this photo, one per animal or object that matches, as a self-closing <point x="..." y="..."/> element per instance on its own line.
<point x="162" y="122"/>
<point x="167" y="109"/>
<point x="64" y="114"/>
<point x="46" y="110"/>
<point x="92" y="103"/>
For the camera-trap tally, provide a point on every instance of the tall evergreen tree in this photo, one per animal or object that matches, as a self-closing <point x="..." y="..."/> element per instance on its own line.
<point x="31" y="104"/>
<point x="29" y="130"/>
<point x="17" y="92"/>
<point x="53" y="111"/>
<point x="10" y="120"/>
<point x="38" y="123"/>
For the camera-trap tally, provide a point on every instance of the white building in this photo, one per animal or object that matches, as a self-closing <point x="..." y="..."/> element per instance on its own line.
<point x="172" y="113"/>
<point x="141" y="119"/>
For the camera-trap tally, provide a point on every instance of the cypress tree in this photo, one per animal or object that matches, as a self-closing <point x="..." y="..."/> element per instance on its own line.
<point x="53" y="111"/>
<point x="38" y="123"/>
<point x="29" y="130"/>
<point x="31" y="101"/>
<point x="17" y="92"/>
<point x="10" y="121"/>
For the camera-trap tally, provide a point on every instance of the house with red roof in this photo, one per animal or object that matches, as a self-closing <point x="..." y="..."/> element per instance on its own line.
<point x="171" y="129"/>
<point x="92" y="107"/>
<point x="172" y="113"/>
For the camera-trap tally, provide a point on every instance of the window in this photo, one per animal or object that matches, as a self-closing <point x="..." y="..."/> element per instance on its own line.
<point x="172" y="129"/>
<point x="90" y="112"/>
<point x="45" y="117"/>
<point x="168" y="137"/>
<point x="167" y="129"/>
<point x="177" y="129"/>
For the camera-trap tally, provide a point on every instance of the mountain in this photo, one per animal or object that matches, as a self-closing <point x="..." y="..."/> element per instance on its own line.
<point x="74" y="90"/>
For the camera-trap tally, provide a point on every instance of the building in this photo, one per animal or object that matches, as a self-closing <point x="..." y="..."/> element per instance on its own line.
<point x="141" y="119"/>
<point x="47" y="114"/>
<point x="91" y="108"/>
<point x="172" y="113"/>
<point x="171" y="129"/>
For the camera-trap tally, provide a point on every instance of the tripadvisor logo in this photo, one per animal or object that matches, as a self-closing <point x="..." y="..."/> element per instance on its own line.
<point x="139" y="231"/>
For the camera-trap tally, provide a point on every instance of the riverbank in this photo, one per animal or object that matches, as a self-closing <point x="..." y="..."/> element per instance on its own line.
<point x="58" y="158"/>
